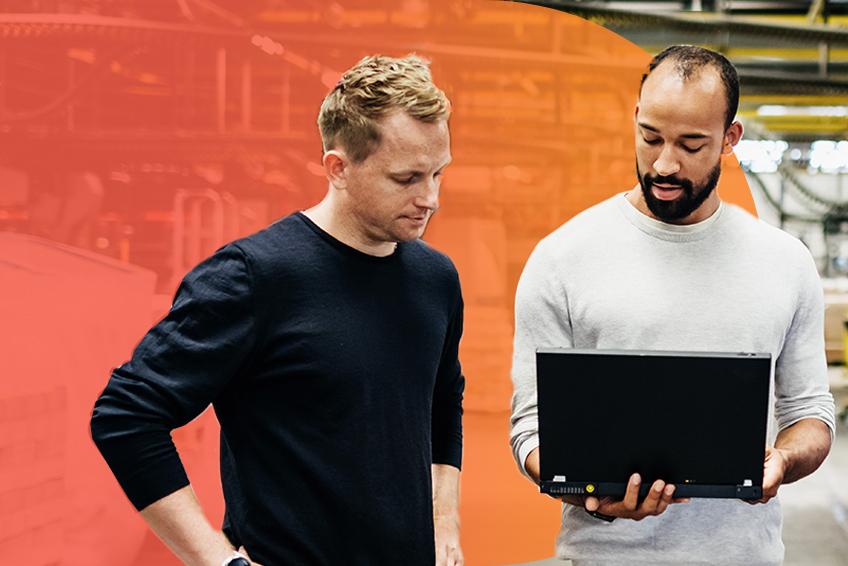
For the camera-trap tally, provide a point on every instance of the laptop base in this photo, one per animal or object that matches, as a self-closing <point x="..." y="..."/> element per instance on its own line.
<point x="604" y="489"/>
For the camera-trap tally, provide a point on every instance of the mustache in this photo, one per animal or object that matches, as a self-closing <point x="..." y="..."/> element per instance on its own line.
<point x="667" y="180"/>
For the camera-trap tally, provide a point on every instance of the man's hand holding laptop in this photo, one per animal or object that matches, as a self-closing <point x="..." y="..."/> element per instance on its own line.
<point x="659" y="497"/>
<point x="797" y="452"/>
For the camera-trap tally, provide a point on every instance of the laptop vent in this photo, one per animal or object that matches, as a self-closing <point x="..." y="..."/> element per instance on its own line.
<point x="566" y="490"/>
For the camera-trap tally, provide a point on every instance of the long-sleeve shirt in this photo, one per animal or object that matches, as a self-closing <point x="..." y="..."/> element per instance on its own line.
<point x="336" y="380"/>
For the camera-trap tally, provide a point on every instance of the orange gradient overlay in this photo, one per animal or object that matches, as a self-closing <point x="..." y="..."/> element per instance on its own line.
<point x="136" y="143"/>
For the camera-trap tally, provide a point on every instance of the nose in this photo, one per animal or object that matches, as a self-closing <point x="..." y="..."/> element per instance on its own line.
<point x="667" y="163"/>
<point x="429" y="195"/>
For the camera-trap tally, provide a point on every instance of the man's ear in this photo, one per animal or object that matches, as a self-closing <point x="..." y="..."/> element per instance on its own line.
<point x="732" y="137"/>
<point x="335" y="166"/>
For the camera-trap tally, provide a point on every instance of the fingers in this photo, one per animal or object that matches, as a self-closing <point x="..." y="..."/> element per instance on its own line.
<point x="576" y="500"/>
<point x="659" y="497"/>
<point x="768" y="493"/>
<point x="631" y="496"/>
<point x="656" y="500"/>
<point x="591" y="503"/>
<point x="665" y="498"/>
<point x="774" y="468"/>
<point x="772" y="478"/>
<point x="449" y="557"/>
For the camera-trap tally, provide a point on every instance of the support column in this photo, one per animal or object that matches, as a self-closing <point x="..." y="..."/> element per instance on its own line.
<point x="221" y="74"/>
<point x="70" y="106"/>
<point x="285" y="123"/>
<point x="246" y="95"/>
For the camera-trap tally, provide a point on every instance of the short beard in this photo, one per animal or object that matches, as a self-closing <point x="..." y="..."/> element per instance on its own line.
<point x="679" y="208"/>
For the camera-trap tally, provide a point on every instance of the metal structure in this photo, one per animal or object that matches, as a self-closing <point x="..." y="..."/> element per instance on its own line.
<point x="145" y="92"/>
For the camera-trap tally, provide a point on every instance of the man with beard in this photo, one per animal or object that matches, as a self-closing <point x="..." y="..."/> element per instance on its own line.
<point x="668" y="266"/>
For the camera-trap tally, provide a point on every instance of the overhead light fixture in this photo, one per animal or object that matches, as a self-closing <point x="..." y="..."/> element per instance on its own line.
<point x="829" y="156"/>
<point x="267" y="45"/>
<point x="780" y="110"/>
<point x="760" y="156"/>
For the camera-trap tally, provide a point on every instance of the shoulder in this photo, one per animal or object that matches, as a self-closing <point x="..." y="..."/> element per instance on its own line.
<point x="419" y="256"/>
<point x="571" y="252"/>
<point x="582" y="235"/>
<point x="225" y="277"/>
<point x="289" y="233"/>
<point x="764" y="239"/>
<point x="430" y="276"/>
<point x="776" y="257"/>
<point x="591" y="220"/>
<point x="275" y="252"/>
<point x="422" y="251"/>
<point x="289" y="249"/>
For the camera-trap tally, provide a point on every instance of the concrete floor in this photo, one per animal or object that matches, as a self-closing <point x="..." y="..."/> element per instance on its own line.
<point x="815" y="523"/>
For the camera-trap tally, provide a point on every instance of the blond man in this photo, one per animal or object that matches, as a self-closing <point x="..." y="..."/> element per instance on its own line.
<point x="327" y="344"/>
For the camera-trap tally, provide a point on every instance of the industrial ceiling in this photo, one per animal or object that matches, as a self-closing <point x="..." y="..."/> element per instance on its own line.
<point x="792" y="55"/>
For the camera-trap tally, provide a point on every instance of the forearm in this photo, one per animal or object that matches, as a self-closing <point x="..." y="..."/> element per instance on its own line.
<point x="179" y="521"/>
<point x="445" y="492"/>
<point x="446" y="515"/>
<point x="531" y="466"/>
<point x="804" y="447"/>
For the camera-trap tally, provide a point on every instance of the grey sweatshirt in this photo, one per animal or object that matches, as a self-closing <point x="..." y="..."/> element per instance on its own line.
<point x="614" y="278"/>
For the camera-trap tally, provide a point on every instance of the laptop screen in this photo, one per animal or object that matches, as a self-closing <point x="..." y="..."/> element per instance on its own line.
<point x="690" y="418"/>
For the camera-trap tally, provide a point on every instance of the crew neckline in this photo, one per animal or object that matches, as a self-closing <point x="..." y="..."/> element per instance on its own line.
<point x="666" y="231"/>
<point x="341" y="246"/>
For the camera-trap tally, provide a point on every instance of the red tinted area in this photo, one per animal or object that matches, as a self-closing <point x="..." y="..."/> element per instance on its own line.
<point x="138" y="137"/>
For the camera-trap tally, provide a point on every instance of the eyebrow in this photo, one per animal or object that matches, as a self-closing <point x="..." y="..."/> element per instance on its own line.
<point x="415" y="172"/>
<point x="686" y="136"/>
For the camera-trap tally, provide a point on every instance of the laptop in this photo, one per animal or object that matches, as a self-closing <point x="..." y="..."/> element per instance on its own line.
<point x="694" y="419"/>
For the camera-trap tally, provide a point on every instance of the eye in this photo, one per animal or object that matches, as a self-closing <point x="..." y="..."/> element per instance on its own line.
<point x="652" y="142"/>
<point x="404" y="180"/>
<point x="692" y="150"/>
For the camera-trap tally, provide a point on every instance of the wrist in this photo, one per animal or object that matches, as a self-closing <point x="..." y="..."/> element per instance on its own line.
<point x="787" y="455"/>
<point x="784" y="457"/>
<point x="447" y="519"/>
<point x="601" y="516"/>
<point x="236" y="559"/>
<point x="576" y="500"/>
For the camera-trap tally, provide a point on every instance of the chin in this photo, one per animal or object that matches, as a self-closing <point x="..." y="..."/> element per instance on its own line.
<point x="409" y="236"/>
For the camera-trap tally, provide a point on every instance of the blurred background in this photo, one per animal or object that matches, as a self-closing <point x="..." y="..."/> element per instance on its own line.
<point x="138" y="136"/>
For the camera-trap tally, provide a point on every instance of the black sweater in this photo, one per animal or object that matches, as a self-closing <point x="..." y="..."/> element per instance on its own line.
<point x="335" y="377"/>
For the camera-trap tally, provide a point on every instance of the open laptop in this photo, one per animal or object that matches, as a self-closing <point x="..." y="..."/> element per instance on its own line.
<point x="694" y="419"/>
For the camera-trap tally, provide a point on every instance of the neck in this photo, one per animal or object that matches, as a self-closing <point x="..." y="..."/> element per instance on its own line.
<point x="328" y="216"/>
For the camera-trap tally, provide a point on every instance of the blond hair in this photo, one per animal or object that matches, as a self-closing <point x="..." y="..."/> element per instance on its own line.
<point x="373" y="89"/>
